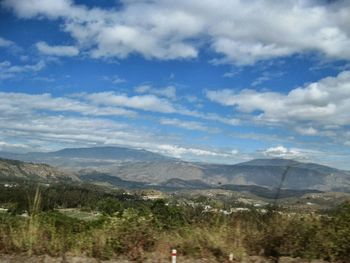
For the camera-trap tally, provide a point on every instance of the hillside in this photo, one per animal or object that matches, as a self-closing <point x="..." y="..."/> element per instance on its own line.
<point x="32" y="171"/>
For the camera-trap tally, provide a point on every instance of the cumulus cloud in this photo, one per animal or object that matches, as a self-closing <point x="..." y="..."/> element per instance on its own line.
<point x="302" y="154"/>
<point x="32" y="8"/>
<point x="68" y="51"/>
<point x="283" y="152"/>
<point x="237" y="31"/>
<point x="324" y="104"/>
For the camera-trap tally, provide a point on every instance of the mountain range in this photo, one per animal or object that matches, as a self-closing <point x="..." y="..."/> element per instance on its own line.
<point x="121" y="166"/>
<point x="78" y="158"/>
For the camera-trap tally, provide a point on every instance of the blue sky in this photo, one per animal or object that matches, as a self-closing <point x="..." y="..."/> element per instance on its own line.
<point x="216" y="81"/>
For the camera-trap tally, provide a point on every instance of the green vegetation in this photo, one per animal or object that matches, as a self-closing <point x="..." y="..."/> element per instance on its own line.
<point x="102" y="223"/>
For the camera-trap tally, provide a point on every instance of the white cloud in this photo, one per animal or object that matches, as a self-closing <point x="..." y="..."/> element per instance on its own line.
<point x="31" y="8"/>
<point x="238" y="31"/>
<point x="12" y="147"/>
<point x="60" y="130"/>
<point x="283" y="152"/>
<point x="266" y="76"/>
<point x="180" y="152"/>
<point x="246" y="53"/>
<point x="106" y="103"/>
<point x="189" y="125"/>
<point x="115" y="79"/>
<point x="168" y="92"/>
<point x="318" y="105"/>
<point x="232" y="73"/>
<point x="306" y="130"/>
<point x="303" y="154"/>
<point x="142" y="102"/>
<point x="68" y="51"/>
<point x="246" y="100"/>
<point x="150" y="102"/>
<point x="5" y="43"/>
<point x="226" y="120"/>
<point x="7" y="70"/>
<point x="22" y="103"/>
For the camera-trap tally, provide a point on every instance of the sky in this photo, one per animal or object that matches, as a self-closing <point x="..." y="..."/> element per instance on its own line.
<point x="220" y="81"/>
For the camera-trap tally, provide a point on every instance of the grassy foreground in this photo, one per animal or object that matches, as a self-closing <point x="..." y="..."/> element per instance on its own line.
<point x="139" y="230"/>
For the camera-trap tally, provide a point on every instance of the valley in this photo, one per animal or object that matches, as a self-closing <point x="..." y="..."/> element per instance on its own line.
<point x="128" y="205"/>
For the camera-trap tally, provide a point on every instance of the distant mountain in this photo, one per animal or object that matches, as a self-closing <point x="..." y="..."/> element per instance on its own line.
<point x="299" y="176"/>
<point x="109" y="153"/>
<point x="139" y="166"/>
<point x="268" y="173"/>
<point x="290" y="163"/>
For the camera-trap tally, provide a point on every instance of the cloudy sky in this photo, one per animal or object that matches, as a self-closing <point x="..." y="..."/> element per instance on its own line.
<point x="220" y="81"/>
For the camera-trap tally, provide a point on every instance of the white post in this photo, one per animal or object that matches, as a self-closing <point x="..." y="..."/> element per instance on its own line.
<point x="230" y="258"/>
<point x="173" y="256"/>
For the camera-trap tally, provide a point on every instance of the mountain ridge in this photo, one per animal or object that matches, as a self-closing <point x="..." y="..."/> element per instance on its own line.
<point x="141" y="166"/>
<point x="104" y="152"/>
<point x="32" y="171"/>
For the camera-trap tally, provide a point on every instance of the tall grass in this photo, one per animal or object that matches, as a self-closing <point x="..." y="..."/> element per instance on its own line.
<point x="33" y="222"/>
<point x="23" y="233"/>
<point x="146" y="235"/>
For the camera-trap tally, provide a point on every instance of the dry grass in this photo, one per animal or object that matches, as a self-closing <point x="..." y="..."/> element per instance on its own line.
<point x="139" y="237"/>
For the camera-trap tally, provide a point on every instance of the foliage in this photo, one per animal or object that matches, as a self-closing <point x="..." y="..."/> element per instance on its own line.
<point x="124" y="225"/>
